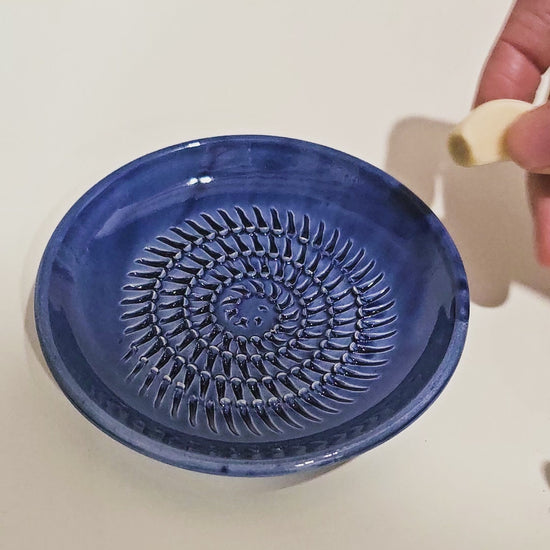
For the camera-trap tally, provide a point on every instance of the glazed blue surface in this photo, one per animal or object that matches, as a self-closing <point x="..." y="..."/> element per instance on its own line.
<point x="251" y="305"/>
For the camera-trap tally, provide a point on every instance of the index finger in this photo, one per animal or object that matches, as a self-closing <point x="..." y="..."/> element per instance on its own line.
<point x="520" y="55"/>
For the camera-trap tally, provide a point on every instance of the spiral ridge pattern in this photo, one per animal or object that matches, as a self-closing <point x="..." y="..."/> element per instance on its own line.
<point x="255" y="320"/>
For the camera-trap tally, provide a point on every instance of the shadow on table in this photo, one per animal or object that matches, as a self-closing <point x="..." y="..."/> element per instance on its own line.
<point x="485" y="209"/>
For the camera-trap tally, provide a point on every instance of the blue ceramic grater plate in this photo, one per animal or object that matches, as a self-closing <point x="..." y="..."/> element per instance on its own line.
<point x="251" y="305"/>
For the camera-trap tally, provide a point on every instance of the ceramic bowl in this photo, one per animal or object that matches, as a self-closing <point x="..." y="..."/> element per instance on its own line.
<point x="251" y="305"/>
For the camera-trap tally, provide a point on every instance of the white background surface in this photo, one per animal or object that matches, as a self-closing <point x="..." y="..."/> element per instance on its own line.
<point x="87" y="87"/>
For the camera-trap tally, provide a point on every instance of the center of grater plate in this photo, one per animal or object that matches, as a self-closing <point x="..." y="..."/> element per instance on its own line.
<point x="247" y="309"/>
<point x="252" y="319"/>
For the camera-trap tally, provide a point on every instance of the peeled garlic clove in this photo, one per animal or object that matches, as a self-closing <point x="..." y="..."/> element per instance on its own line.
<point x="479" y="138"/>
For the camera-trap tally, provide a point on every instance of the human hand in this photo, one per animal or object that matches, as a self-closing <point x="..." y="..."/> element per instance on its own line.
<point x="513" y="71"/>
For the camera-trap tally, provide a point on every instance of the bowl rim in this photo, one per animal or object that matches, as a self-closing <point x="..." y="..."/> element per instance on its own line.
<point x="236" y="467"/>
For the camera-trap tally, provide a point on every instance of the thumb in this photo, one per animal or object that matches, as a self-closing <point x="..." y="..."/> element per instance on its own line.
<point x="528" y="140"/>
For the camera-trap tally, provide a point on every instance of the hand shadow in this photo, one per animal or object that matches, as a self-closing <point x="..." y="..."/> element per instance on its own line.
<point x="485" y="209"/>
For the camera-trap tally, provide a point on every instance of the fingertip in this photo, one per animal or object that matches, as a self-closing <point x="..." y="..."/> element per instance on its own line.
<point x="527" y="140"/>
